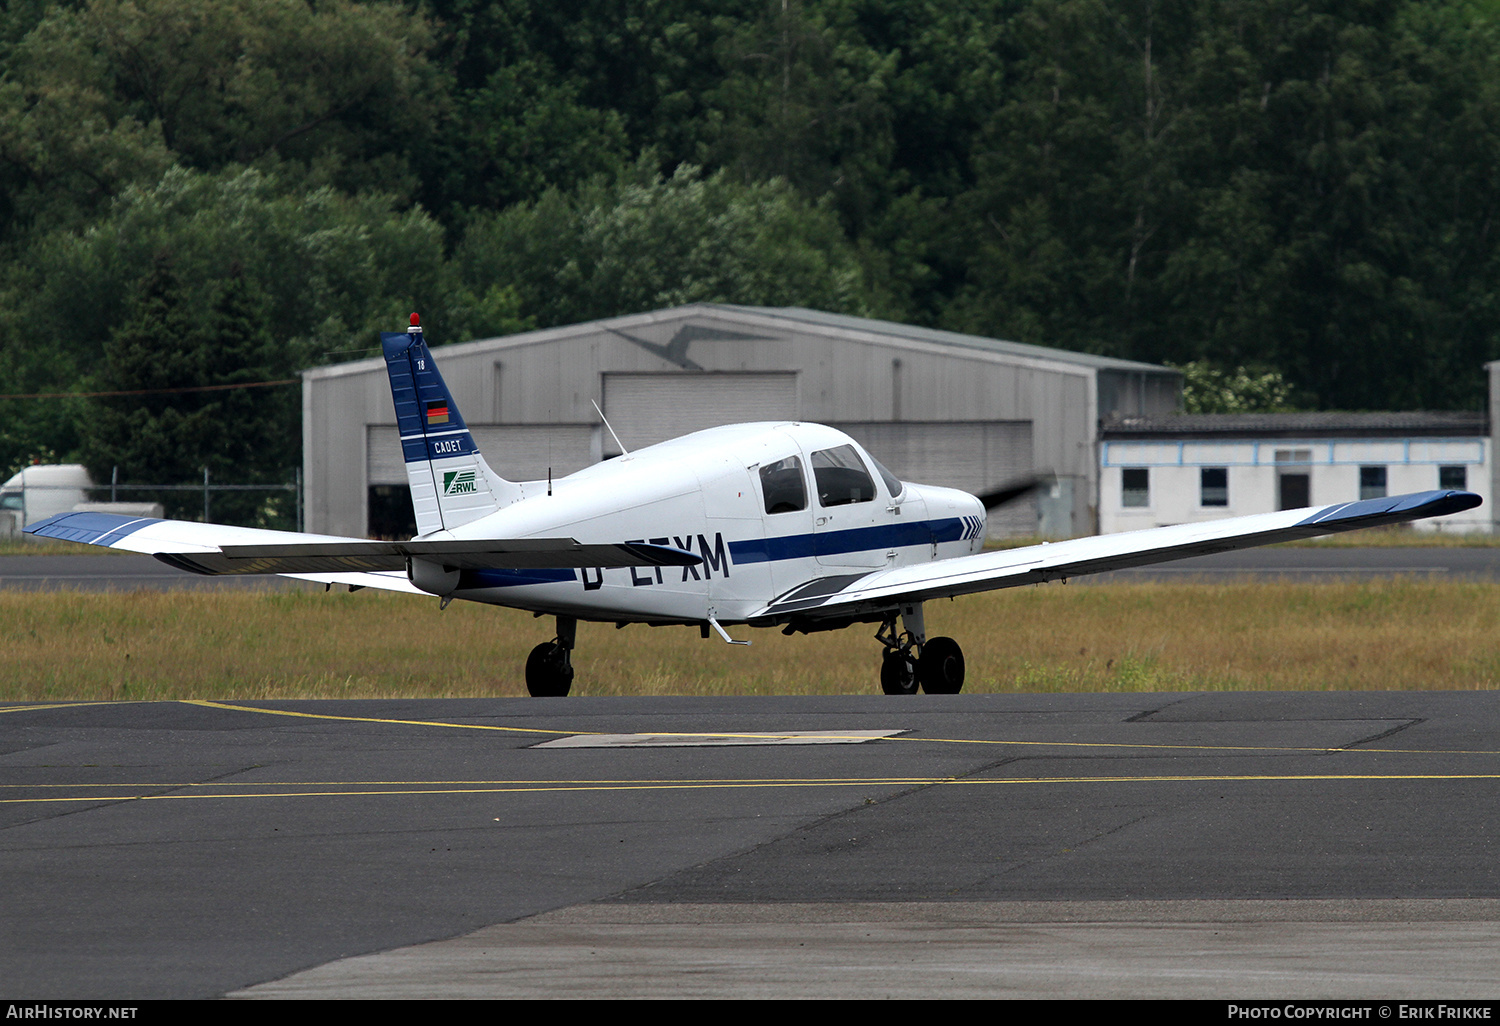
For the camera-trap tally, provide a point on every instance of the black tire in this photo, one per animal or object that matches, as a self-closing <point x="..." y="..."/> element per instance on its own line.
<point x="549" y="671"/>
<point x="898" y="674"/>
<point x="941" y="667"/>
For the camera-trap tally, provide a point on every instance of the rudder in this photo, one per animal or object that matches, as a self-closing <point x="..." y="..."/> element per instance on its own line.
<point x="451" y="484"/>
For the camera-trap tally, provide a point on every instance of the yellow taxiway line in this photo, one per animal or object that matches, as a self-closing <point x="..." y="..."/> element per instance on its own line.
<point x="772" y="736"/>
<point x="364" y="789"/>
<point x="834" y="736"/>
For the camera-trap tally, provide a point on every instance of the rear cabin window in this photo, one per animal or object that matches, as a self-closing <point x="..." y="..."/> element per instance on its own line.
<point x="841" y="477"/>
<point x="783" y="487"/>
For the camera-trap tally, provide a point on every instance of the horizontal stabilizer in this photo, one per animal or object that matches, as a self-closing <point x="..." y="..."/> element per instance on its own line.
<point x="508" y="554"/>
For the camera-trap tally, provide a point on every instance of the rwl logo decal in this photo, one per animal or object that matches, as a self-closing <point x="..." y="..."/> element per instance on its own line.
<point x="459" y="482"/>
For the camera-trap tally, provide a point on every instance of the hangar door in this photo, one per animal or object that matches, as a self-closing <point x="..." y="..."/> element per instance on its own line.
<point x="973" y="456"/>
<point x="650" y="408"/>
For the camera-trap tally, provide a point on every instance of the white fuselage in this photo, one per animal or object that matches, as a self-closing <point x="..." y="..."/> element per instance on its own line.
<point x="705" y="493"/>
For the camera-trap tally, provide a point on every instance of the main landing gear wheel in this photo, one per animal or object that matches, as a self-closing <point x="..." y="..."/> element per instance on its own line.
<point x="898" y="673"/>
<point x="549" y="671"/>
<point x="549" y="668"/>
<point x="941" y="667"/>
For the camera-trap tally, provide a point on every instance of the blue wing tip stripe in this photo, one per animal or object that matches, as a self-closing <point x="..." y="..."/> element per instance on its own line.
<point x="89" y="528"/>
<point x="1395" y="508"/>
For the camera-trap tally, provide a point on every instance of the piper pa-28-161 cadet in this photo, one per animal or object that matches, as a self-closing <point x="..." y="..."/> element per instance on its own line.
<point x="779" y="524"/>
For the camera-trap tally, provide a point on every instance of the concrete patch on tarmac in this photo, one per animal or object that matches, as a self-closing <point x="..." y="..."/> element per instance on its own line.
<point x="1222" y="950"/>
<point x="705" y="740"/>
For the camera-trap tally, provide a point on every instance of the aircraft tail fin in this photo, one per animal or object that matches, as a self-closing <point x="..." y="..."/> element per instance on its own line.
<point x="451" y="484"/>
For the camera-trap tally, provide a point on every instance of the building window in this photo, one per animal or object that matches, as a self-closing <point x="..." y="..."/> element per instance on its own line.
<point x="1135" y="487"/>
<point x="1213" y="486"/>
<point x="1372" y="482"/>
<point x="1454" y="477"/>
<point x="1293" y="487"/>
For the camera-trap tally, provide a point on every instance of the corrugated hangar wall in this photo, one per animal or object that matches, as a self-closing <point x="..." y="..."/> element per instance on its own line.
<point x="935" y="407"/>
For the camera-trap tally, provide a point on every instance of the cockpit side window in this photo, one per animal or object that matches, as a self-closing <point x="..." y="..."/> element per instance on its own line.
<point x="783" y="486"/>
<point x="841" y="477"/>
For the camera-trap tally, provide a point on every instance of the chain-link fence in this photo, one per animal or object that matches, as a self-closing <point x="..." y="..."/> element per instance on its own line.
<point x="275" y="505"/>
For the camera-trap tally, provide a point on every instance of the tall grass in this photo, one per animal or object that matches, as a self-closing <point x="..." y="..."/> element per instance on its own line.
<point x="1138" y="637"/>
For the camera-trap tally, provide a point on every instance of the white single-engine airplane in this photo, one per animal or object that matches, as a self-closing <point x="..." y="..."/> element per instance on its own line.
<point x="778" y="524"/>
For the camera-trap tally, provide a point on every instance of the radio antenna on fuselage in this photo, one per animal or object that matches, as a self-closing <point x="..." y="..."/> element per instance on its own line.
<point x="623" y="451"/>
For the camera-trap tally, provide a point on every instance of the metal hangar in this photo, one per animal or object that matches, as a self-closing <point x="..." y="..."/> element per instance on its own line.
<point x="935" y="406"/>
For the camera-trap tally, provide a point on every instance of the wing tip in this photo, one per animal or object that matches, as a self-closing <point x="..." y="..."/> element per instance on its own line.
<point x="88" y="528"/>
<point x="1395" y="509"/>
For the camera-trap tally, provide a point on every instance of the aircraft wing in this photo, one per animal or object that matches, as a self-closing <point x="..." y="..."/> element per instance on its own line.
<point x="846" y="595"/>
<point x="217" y="549"/>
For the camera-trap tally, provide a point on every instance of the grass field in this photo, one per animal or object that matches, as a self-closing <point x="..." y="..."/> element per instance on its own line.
<point x="1147" y="637"/>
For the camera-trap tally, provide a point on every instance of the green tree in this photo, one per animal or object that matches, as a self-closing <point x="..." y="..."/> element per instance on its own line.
<point x="550" y="95"/>
<point x="36" y="430"/>
<point x="333" y="268"/>
<point x="806" y="100"/>
<point x="1307" y="186"/>
<point x="1210" y="389"/>
<point x="654" y="242"/>
<point x="109" y="92"/>
<point x="187" y="414"/>
<point x="316" y="272"/>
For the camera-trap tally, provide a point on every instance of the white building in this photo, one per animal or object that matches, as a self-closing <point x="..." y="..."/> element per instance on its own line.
<point x="1156" y="471"/>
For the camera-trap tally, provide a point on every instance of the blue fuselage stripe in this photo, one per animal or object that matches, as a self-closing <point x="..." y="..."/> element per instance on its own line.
<point x="511" y="578"/>
<point x="859" y="539"/>
<point x="767" y="550"/>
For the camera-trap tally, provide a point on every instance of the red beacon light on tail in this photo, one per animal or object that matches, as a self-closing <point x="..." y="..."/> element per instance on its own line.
<point x="416" y="325"/>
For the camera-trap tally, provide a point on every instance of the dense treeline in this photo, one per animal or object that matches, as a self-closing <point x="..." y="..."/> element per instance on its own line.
<point x="214" y="191"/>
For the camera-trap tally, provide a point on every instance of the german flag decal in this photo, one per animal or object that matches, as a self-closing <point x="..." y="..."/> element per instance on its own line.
<point x="437" y="412"/>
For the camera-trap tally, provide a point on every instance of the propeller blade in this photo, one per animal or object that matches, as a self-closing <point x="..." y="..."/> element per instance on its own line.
<point x="1016" y="489"/>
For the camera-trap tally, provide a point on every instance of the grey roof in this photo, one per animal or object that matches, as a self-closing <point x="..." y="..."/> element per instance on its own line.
<point x="1443" y="423"/>
<point x="947" y="338"/>
<point x="796" y="314"/>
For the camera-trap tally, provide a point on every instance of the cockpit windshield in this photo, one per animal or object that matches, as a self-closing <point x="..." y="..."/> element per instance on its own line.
<point x="841" y="477"/>
<point x="892" y="482"/>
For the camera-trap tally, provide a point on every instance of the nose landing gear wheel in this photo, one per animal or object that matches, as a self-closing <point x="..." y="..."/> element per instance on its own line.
<point x="549" y="671"/>
<point x="942" y="667"/>
<point x="898" y="673"/>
